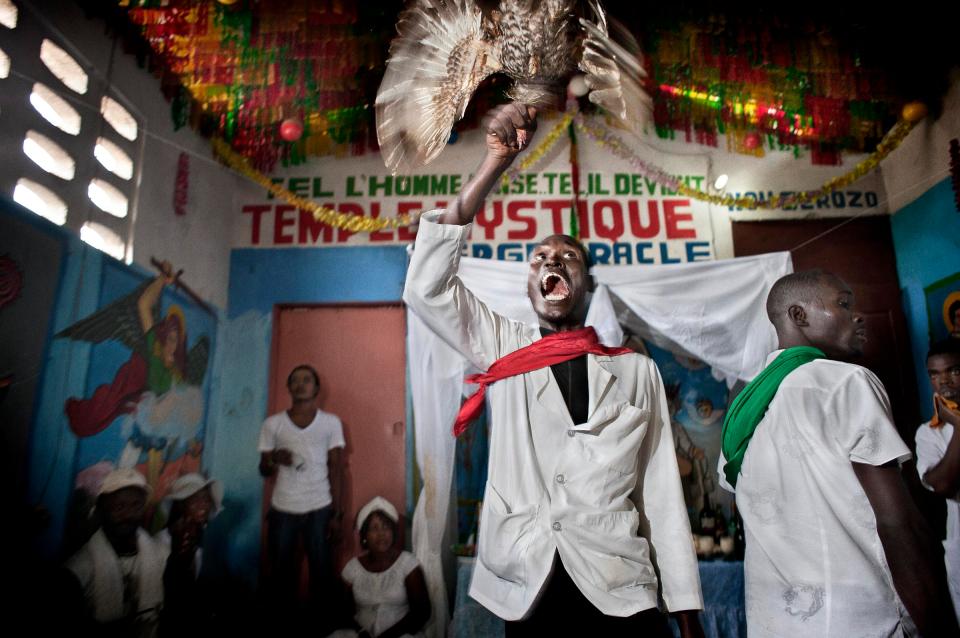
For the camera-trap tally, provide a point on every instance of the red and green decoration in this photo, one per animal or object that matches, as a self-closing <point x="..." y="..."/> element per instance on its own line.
<point x="767" y="86"/>
<point x="283" y="81"/>
<point x="279" y="81"/>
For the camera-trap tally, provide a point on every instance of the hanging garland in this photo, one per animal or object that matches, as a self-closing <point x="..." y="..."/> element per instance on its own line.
<point x="536" y="154"/>
<point x="912" y="114"/>
<point x="359" y="223"/>
<point x="605" y="139"/>
<point x="575" y="182"/>
<point x="323" y="214"/>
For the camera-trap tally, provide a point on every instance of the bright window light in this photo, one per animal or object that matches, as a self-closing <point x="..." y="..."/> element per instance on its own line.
<point x="104" y="239"/>
<point x="40" y="200"/>
<point x="49" y="155"/>
<point x="112" y="158"/>
<point x="55" y="109"/>
<point x="8" y="14"/>
<point x="4" y="64"/>
<point x="63" y="66"/>
<point x="107" y="197"/>
<point x="119" y="118"/>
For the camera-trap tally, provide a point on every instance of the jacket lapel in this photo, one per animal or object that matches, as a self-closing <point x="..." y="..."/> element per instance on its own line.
<point x="602" y="382"/>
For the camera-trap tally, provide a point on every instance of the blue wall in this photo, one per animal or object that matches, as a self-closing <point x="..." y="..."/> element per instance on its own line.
<point x="926" y="238"/>
<point x="260" y="279"/>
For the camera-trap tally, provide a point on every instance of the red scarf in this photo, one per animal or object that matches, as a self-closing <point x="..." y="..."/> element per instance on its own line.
<point x="555" y="348"/>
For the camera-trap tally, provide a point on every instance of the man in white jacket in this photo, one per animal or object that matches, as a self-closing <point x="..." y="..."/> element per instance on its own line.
<point x="584" y="526"/>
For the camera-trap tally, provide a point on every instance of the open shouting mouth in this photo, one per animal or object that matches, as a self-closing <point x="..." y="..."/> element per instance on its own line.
<point x="554" y="287"/>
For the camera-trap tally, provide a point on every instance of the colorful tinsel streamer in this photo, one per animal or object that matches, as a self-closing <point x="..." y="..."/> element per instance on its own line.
<point x="606" y="139"/>
<point x="575" y="181"/>
<point x="324" y="215"/>
<point x="537" y="154"/>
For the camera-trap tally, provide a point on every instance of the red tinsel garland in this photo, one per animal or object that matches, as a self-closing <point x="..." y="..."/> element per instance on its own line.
<point x="182" y="185"/>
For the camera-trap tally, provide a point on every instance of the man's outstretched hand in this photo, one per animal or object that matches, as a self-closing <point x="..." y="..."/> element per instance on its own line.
<point x="510" y="129"/>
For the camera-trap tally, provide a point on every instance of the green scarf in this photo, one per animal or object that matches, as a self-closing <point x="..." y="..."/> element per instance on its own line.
<point x="751" y="404"/>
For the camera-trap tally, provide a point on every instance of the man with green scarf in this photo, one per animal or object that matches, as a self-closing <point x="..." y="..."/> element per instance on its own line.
<point x="835" y="545"/>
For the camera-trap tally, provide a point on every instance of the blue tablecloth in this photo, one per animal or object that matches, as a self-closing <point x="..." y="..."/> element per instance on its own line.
<point x="724" y="614"/>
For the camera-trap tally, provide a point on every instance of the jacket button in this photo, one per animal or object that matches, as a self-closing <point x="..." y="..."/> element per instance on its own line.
<point x="556" y="526"/>
<point x="560" y="479"/>
<point x="571" y="433"/>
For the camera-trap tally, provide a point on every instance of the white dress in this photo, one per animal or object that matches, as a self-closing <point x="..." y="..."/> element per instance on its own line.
<point x="381" y="597"/>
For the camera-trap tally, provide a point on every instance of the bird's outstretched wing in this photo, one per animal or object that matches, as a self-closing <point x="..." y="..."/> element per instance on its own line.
<point x="614" y="70"/>
<point x="437" y="60"/>
<point x="119" y="321"/>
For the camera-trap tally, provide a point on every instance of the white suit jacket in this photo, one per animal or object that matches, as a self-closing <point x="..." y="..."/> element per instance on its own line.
<point x="604" y="494"/>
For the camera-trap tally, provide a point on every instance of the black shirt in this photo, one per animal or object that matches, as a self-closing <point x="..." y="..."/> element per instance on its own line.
<point x="571" y="376"/>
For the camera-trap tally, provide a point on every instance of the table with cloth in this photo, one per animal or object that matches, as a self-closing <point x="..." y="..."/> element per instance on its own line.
<point x="724" y="614"/>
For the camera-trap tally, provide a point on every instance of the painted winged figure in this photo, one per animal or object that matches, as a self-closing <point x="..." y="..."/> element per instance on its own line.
<point x="445" y="48"/>
<point x="159" y="361"/>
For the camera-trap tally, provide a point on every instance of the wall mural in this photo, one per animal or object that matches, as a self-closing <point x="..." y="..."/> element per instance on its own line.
<point x="146" y="400"/>
<point x="697" y="404"/>
<point x="943" y="307"/>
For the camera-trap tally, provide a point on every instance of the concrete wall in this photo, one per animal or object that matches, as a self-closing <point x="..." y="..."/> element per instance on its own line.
<point x="197" y="242"/>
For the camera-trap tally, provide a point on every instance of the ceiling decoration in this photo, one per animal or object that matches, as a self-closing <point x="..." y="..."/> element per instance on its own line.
<point x="284" y="81"/>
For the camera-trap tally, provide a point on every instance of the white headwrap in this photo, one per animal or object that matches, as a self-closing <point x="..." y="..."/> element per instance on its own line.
<point x="378" y="504"/>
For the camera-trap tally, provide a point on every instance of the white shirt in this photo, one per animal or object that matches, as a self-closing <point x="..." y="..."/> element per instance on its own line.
<point x="931" y="447"/>
<point x="304" y="485"/>
<point x="814" y="563"/>
<point x="602" y="494"/>
<point x="100" y="573"/>
<point x="381" y="597"/>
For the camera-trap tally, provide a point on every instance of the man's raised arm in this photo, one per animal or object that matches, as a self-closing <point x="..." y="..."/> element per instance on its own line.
<point x="509" y="130"/>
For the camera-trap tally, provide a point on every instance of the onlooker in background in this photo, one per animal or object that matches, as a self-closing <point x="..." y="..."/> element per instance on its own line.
<point x="938" y="449"/>
<point x="115" y="587"/>
<point x="188" y="603"/>
<point x="385" y="589"/>
<point x="302" y="446"/>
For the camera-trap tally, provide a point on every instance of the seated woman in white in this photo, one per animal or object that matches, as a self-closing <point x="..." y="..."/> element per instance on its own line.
<point x="384" y="584"/>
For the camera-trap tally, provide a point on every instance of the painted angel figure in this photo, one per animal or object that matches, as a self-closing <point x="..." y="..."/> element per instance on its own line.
<point x="159" y="360"/>
<point x="445" y="48"/>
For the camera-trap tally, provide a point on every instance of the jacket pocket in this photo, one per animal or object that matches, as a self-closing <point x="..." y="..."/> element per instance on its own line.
<point x="613" y="436"/>
<point x="616" y="557"/>
<point x="504" y="536"/>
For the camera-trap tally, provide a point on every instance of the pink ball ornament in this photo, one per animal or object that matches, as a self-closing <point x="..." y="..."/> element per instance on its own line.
<point x="751" y="141"/>
<point x="291" y="129"/>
